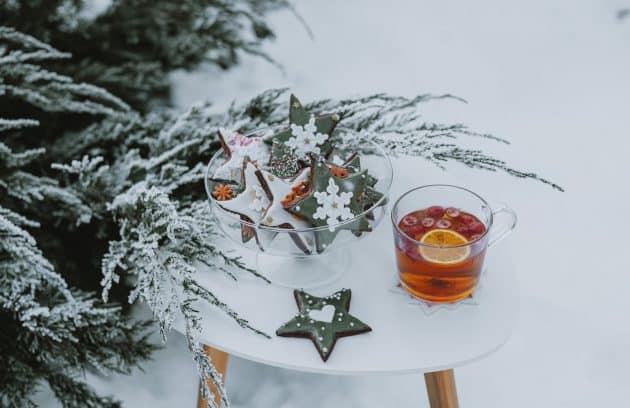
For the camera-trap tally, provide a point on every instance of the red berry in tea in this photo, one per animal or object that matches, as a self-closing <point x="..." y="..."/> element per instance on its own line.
<point x="452" y="212"/>
<point x="443" y="224"/>
<point x="437" y="217"/>
<point x="428" y="222"/>
<point x="409" y="220"/>
<point x="476" y="227"/>
<point x="435" y="211"/>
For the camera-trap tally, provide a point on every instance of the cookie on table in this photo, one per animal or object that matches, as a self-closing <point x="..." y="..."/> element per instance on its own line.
<point x="323" y="320"/>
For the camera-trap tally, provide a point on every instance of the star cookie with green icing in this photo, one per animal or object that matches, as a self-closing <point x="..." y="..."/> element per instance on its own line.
<point x="307" y="135"/>
<point x="330" y="201"/>
<point x="323" y="320"/>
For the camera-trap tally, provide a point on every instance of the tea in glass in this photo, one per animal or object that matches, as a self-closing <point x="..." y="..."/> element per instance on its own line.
<point x="443" y="267"/>
<point x="441" y="233"/>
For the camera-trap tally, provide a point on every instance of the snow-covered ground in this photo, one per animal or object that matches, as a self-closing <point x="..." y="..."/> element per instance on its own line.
<point x="551" y="76"/>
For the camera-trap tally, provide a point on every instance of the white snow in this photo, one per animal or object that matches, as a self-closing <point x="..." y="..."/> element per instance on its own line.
<point x="551" y="76"/>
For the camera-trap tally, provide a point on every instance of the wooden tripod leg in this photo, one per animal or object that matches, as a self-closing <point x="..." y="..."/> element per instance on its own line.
<point x="441" y="389"/>
<point x="219" y="360"/>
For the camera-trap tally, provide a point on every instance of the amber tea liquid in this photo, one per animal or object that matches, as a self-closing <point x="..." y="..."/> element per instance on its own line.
<point x="440" y="253"/>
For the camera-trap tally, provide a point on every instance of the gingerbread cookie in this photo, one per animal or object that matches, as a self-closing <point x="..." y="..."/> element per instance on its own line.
<point x="306" y="136"/>
<point x="278" y="190"/>
<point x="323" y="320"/>
<point x="330" y="201"/>
<point x="236" y="148"/>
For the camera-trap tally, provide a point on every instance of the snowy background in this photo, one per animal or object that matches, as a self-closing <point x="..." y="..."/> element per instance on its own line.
<point x="551" y="76"/>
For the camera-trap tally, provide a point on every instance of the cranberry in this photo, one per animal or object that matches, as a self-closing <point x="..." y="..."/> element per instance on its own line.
<point x="443" y="224"/>
<point x="409" y="220"/>
<point x="428" y="222"/>
<point x="452" y="212"/>
<point x="414" y="230"/>
<point x="467" y="219"/>
<point x="476" y="227"/>
<point x="435" y="211"/>
<point x="463" y="229"/>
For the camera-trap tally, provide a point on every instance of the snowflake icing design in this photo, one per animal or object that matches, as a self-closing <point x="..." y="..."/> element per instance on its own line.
<point x="306" y="139"/>
<point x="260" y="202"/>
<point x="332" y="205"/>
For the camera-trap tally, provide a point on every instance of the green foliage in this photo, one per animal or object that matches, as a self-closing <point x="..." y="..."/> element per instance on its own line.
<point x="50" y="332"/>
<point x="130" y="47"/>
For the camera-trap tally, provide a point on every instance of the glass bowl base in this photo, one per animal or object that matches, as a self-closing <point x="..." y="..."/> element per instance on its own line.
<point x="303" y="272"/>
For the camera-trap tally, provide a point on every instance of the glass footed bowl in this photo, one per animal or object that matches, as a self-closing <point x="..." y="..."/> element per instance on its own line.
<point x="278" y="256"/>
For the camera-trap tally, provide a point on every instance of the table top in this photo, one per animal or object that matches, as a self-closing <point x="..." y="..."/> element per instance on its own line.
<point x="405" y="337"/>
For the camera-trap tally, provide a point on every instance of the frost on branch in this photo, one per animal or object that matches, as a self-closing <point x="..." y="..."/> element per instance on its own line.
<point x="162" y="248"/>
<point x="23" y="78"/>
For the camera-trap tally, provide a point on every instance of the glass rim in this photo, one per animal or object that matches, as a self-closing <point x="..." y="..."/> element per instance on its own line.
<point x="262" y="130"/>
<point x="452" y="186"/>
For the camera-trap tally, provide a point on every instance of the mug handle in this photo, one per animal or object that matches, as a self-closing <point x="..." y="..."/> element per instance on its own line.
<point x="497" y="234"/>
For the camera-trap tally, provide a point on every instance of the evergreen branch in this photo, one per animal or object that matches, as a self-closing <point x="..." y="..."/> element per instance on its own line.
<point x="24" y="80"/>
<point x="13" y="124"/>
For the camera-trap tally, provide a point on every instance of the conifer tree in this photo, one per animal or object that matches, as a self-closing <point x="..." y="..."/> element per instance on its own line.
<point x="50" y="332"/>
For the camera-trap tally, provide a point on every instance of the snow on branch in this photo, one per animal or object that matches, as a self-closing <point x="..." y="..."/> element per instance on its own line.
<point x="25" y="80"/>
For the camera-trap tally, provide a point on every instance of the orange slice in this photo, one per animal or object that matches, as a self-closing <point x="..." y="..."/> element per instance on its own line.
<point x="444" y="249"/>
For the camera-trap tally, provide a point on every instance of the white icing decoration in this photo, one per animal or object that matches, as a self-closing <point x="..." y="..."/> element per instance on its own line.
<point x="240" y="147"/>
<point x="337" y="160"/>
<point x="275" y="213"/>
<point x="333" y="205"/>
<point x="250" y="202"/>
<point x="325" y="314"/>
<point x="306" y="139"/>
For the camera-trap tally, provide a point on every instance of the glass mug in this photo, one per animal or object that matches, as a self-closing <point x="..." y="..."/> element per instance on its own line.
<point x="441" y="254"/>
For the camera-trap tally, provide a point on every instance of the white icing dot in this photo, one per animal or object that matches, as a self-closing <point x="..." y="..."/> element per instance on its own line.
<point x="311" y="321"/>
<point x="310" y="302"/>
<point x="340" y="319"/>
<point x="320" y="338"/>
<point x="297" y="208"/>
<point x="325" y="349"/>
<point x="339" y="314"/>
<point x="323" y="328"/>
<point x="298" y="324"/>
<point x="351" y="323"/>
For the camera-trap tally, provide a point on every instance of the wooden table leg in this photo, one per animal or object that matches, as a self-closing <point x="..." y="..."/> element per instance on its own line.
<point x="441" y="389"/>
<point x="219" y="360"/>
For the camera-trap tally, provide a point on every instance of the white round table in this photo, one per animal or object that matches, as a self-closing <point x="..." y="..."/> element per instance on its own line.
<point x="405" y="337"/>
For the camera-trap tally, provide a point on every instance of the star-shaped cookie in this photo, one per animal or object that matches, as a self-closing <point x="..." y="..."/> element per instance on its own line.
<point x="250" y="204"/>
<point x="331" y="200"/>
<point x="276" y="215"/>
<point x="323" y="320"/>
<point x="236" y="148"/>
<point x="307" y="135"/>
